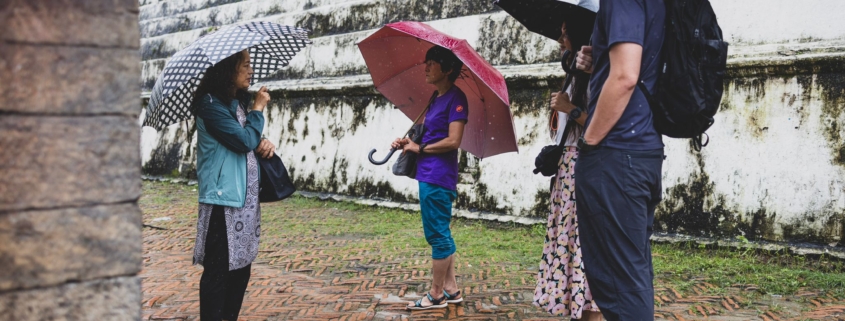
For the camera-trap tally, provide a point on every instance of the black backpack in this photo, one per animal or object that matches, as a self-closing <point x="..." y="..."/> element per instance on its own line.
<point x="689" y="85"/>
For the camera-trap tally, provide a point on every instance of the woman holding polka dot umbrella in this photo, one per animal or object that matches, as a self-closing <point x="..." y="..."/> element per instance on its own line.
<point x="209" y="79"/>
<point x="271" y="47"/>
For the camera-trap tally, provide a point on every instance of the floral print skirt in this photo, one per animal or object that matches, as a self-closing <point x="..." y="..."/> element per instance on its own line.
<point x="561" y="285"/>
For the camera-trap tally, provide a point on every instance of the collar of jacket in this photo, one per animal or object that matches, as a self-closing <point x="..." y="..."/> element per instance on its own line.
<point x="233" y="107"/>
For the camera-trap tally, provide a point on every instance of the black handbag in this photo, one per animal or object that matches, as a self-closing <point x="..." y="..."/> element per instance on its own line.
<point x="275" y="182"/>
<point x="406" y="164"/>
<point x="546" y="163"/>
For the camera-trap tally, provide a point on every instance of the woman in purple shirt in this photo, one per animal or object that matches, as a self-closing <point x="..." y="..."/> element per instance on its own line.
<point x="437" y="173"/>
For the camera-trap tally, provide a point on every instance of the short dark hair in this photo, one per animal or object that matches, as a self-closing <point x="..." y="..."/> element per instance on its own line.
<point x="220" y="79"/>
<point x="447" y="60"/>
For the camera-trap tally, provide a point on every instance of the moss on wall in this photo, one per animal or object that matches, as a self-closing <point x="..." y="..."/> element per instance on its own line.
<point x="480" y="200"/>
<point x="832" y="86"/>
<point x="164" y="160"/>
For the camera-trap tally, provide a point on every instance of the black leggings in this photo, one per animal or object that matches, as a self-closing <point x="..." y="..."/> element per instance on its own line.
<point x="221" y="291"/>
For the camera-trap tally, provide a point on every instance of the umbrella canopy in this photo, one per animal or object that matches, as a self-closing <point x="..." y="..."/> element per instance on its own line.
<point x="395" y="57"/>
<point x="271" y="47"/>
<point x="546" y="16"/>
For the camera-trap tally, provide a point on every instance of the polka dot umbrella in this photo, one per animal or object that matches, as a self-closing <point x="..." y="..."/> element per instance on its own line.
<point x="271" y="46"/>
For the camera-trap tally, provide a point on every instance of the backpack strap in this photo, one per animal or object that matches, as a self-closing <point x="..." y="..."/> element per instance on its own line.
<point x="697" y="143"/>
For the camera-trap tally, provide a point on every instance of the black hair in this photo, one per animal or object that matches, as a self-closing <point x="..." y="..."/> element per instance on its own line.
<point x="219" y="80"/>
<point x="579" y="30"/>
<point x="447" y="60"/>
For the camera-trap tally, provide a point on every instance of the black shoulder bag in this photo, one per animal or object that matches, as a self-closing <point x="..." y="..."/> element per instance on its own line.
<point x="275" y="184"/>
<point x="406" y="164"/>
<point x="546" y="163"/>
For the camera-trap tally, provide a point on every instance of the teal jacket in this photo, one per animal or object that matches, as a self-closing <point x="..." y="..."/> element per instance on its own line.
<point x="222" y="146"/>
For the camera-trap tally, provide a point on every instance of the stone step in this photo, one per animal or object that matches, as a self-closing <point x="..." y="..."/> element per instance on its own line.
<point x="152" y="9"/>
<point x="328" y="19"/>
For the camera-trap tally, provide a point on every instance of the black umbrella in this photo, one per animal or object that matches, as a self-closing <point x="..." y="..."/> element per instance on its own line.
<point x="546" y="16"/>
<point x="270" y="45"/>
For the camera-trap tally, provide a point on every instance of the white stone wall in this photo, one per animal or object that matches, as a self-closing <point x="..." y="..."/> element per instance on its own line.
<point x="775" y="167"/>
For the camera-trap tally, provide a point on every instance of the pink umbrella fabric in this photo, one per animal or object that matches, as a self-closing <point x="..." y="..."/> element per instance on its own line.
<point x="394" y="55"/>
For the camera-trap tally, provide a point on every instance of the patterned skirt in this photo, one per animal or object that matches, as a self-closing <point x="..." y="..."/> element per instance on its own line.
<point x="561" y="285"/>
<point x="243" y="225"/>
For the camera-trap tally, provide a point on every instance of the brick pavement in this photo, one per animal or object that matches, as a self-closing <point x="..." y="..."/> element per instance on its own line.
<point x="343" y="277"/>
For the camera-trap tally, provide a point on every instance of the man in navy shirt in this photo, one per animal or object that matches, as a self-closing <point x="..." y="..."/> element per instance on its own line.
<point x="621" y="158"/>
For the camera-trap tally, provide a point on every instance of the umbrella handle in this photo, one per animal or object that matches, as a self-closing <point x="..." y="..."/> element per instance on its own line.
<point x="375" y="162"/>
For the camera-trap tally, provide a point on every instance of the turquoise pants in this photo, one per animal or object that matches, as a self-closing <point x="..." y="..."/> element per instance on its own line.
<point x="436" y="207"/>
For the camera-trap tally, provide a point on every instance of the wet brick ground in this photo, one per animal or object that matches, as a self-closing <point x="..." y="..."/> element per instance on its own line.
<point x="318" y="277"/>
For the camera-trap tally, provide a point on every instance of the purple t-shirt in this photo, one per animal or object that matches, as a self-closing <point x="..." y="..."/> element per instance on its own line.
<point x="442" y="169"/>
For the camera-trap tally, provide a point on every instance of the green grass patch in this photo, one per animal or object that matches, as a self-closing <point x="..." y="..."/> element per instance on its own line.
<point x="683" y="265"/>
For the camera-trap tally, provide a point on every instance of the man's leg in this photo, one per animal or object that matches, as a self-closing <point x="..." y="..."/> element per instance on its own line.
<point x="614" y="197"/>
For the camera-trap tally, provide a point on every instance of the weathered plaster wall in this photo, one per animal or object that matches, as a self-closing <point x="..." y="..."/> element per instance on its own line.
<point x="70" y="226"/>
<point x="775" y="168"/>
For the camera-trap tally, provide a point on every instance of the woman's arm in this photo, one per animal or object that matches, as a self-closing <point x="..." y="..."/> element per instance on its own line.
<point x="226" y="129"/>
<point x="448" y="144"/>
<point x="560" y="102"/>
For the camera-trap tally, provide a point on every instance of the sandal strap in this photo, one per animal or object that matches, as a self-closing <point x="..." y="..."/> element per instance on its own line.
<point x="433" y="301"/>
<point x="450" y="296"/>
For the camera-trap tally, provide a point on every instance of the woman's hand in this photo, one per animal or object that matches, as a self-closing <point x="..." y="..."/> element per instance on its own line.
<point x="584" y="59"/>
<point x="265" y="149"/>
<point x="406" y="145"/>
<point x="410" y="146"/>
<point x="560" y="102"/>
<point x="262" y="97"/>
<point x="398" y="143"/>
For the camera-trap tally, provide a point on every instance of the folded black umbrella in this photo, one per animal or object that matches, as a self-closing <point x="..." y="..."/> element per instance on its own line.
<point x="546" y="16"/>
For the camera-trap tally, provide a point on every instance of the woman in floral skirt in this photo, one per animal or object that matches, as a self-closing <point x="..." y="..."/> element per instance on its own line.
<point x="562" y="288"/>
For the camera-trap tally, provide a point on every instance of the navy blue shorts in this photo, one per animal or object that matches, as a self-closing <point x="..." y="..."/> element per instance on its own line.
<point x="617" y="193"/>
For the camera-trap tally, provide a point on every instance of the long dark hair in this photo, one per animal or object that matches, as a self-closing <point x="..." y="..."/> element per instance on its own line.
<point x="219" y="81"/>
<point x="578" y="30"/>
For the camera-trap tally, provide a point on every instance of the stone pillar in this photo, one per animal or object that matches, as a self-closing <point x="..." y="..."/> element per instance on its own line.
<point x="70" y="226"/>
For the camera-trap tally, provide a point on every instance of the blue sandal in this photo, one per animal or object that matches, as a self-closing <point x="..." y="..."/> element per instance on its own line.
<point x="435" y="304"/>
<point x="450" y="298"/>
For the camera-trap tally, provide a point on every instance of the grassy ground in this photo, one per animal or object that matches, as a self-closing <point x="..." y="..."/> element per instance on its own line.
<point x="515" y="249"/>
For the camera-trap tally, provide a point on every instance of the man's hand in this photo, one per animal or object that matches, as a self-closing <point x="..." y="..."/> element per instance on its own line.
<point x="584" y="59"/>
<point x="265" y="149"/>
<point x="625" y="59"/>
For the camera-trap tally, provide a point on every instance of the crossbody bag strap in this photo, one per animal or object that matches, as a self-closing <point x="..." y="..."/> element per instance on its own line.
<point x="430" y="101"/>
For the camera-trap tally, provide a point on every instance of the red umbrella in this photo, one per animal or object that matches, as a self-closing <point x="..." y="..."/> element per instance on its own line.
<point x="394" y="55"/>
